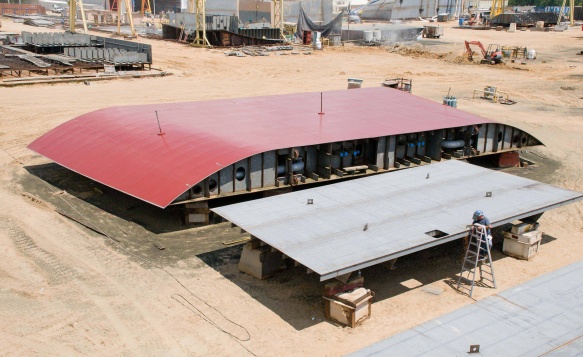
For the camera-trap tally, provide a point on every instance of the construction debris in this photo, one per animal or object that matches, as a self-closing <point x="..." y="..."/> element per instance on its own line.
<point x="81" y="78"/>
<point x="264" y="50"/>
<point x="492" y="94"/>
<point x="403" y="84"/>
<point x="235" y="53"/>
<point x="253" y="52"/>
<point x="39" y="22"/>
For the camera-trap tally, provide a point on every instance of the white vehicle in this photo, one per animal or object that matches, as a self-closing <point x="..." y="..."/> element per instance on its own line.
<point x="57" y="9"/>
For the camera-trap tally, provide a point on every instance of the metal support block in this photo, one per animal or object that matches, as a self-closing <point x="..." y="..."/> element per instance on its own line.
<point x="424" y="158"/>
<point x="197" y="213"/>
<point x="413" y="160"/>
<point x="260" y="262"/>
<point x="404" y="162"/>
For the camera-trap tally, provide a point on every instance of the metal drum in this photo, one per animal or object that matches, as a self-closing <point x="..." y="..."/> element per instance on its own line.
<point x="377" y="35"/>
<point x="368" y="36"/>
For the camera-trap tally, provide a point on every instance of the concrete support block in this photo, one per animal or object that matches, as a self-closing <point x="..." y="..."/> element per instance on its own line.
<point x="260" y="262"/>
<point x="197" y="213"/>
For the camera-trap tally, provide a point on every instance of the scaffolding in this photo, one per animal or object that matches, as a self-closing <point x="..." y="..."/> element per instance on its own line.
<point x="278" y="16"/>
<point x="73" y="15"/>
<point x="198" y="7"/>
<point x="128" y="8"/>
<point x="145" y="7"/>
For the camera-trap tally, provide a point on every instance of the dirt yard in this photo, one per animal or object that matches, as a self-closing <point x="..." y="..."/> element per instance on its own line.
<point x="67" y="290"/>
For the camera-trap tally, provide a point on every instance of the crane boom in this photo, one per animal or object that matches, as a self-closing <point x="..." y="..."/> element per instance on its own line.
<point x="497" y="8"/>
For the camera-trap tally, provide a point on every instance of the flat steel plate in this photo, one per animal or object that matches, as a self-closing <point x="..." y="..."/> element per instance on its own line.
<point x="539" y="318"/>
<point x="366" y="221"/>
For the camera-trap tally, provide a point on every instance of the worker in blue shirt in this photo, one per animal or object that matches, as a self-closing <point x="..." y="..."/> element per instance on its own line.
<point x="479" y="218"/>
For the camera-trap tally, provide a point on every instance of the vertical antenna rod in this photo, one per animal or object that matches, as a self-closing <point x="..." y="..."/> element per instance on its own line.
<point x="159" y="127"/>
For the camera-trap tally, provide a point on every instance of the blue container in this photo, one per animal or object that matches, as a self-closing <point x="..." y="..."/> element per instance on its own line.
<point x="461" y="22"/>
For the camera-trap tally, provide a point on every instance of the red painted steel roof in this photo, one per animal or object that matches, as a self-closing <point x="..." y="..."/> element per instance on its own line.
<point x="120" y="148"/>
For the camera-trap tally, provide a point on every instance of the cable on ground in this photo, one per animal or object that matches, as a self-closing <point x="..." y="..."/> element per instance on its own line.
<point x="173" y="296"/>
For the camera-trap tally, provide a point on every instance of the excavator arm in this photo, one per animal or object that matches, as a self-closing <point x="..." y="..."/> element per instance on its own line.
<point x="469" y="51"/>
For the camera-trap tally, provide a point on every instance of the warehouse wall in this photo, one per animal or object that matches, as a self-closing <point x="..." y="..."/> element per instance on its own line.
<point x="255" y="10"/>
<point x="319" y="11"/>
<point x="222" y="7"/>
<point x="408" y="9"/>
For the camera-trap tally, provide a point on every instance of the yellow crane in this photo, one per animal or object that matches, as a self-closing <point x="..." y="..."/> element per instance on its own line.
<point x="571" y="11"/>
<point x="73" y="15"/>
<point x="145" y="7"/>
<point x="497" y="8"/>
<point x="128" y="8"/>
<point x="198" y="7"/>
<point x="278" y="16"/>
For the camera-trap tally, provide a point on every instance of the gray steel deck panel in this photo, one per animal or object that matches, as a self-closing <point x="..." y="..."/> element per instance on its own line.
<point x="541" y="317"/>
<point x="398" y="208"/>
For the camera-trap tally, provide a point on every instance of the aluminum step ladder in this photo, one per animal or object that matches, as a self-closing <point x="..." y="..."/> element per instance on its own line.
<point x="478" y="256"/>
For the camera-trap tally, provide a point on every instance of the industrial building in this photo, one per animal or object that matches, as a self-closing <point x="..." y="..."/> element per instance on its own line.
<point x="409" y="9"/>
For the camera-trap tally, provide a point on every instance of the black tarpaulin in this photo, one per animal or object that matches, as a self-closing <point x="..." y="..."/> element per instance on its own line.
<point x="305" y="24"/>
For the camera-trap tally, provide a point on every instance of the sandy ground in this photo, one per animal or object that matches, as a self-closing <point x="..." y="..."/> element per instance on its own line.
<point x="66" y="290"/>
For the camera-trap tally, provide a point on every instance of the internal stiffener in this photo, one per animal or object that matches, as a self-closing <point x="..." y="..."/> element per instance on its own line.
<point x="305" y="165"/>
